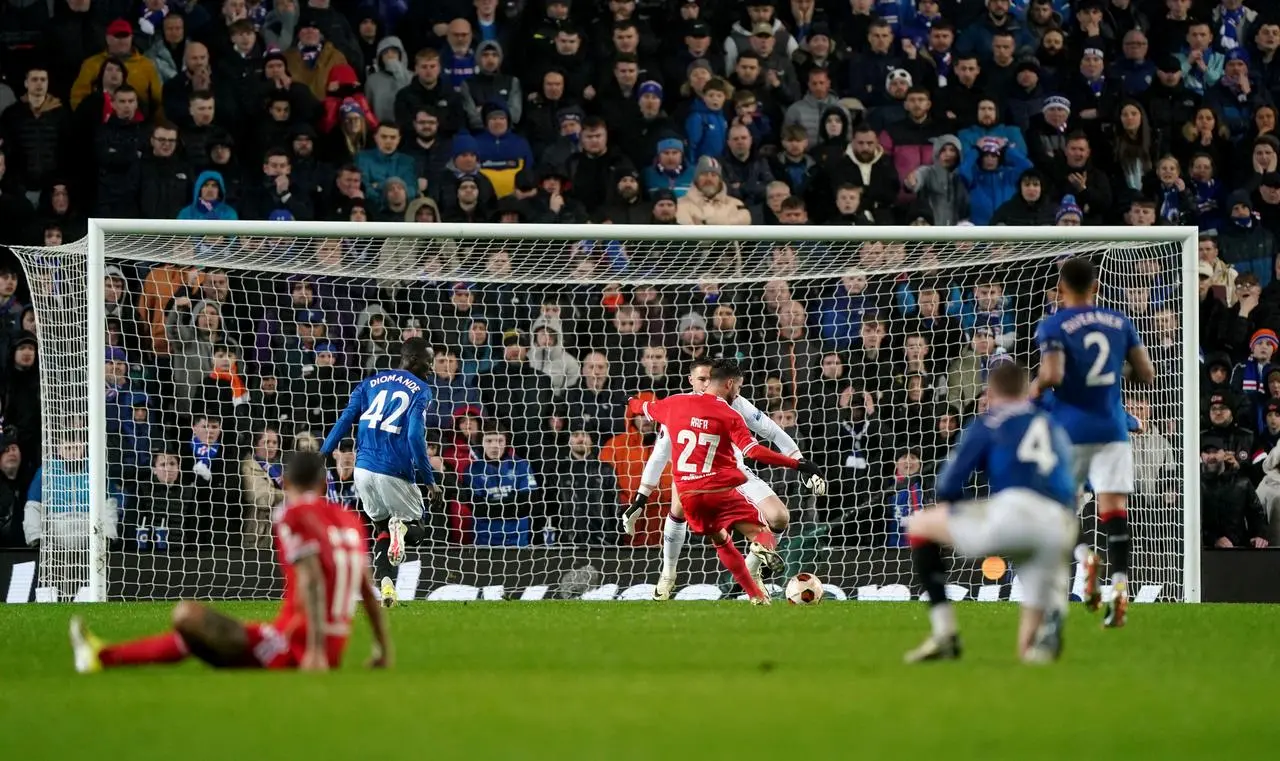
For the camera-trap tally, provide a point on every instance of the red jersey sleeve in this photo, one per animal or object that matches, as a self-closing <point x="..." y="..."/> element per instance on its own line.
<point x="751" y="448"/>
<point x="657" y="411"/>
<point x="299" y="536"/>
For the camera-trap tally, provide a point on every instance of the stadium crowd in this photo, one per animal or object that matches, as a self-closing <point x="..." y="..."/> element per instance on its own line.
<point x="676" y="112"/>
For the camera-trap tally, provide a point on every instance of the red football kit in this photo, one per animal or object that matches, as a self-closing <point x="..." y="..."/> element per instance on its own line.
<point x="709" y="440"/>
<point x="335" y="535"/>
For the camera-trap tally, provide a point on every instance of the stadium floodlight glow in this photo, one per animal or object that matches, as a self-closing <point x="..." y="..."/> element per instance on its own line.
<point x="95" y="551"/>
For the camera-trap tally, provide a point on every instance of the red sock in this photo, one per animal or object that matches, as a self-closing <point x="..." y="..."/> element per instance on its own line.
<point x="162" y="648"/>
<point x="737" y="565"/>
<point x="767" y="540"/>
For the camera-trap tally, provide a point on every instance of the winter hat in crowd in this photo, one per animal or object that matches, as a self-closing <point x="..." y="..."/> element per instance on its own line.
<point x="691" y="320"/>
<point x="709" y="165"/>
<point x="1238" y="54"/>
<point x="1262" y="336"/>
<point x="1027" y="64"/>
<point x="117" y="354"/>
<point x="650" y="87"/>
<point x="1056" y="101"/>
<point x="465" y="144"/>
<point x="570" y="114"/>
<point x="898" y="75"/>
<point x="351" y="106"/>
<point x="468" y="179"/>
<point x="1270" y="180"/>
<point x="493" y="45"/>
<point x="992" y="145"/>
<point x="1204" y="269"/>
<point x="1069" y="207"/>
<point x="26" y="337"/>
<point x="670" y="144"/>
<point x="1239" y="198"/>
<point x="1168" y="64"/>
<point x="280" y="215"/>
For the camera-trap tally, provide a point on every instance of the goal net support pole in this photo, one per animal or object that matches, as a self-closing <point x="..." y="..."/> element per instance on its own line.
<point x="85" y="575"/>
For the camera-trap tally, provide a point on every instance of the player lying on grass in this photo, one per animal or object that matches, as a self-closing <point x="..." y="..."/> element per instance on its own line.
<point x="1083" y="350"/>
<point x="325" y="556"/>
<point x="759" y="493"/>
<point x="1030" y="516"/>
<point x="709" y="479"/>
<point x="391" y="454"/>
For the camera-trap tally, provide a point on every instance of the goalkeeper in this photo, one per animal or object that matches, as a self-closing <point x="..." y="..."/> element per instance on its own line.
<point x="675" y="530"/>
<point x="391" y="452"/>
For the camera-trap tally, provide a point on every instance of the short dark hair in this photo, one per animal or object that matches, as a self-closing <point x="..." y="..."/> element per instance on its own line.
<point x="415" y="353"/>
<point x="274" y="152"/>
<point x="1078" y="274"/>
<point x="723" y="369"/>
<point x="1008" y="379"/>
<point x="594" y="122"/>
<point x="701" y="362"/>
<point x="200" y="95"/>
<point x="305" y="470"/>
<point x="792" y="203"/>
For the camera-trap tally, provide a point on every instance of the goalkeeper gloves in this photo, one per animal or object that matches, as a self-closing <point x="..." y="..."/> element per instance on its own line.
<point x="811" y="477"/>
<point x="632" y="512"/>
<point x="435" y="498"/>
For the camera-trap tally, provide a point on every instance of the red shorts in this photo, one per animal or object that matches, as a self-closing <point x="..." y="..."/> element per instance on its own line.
<point x="709" y="512"/>
<point x="270" y="649"/>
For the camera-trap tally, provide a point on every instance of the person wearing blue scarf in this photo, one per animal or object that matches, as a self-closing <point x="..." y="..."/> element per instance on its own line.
<point x="908" y="495"/>
<point x="205" y="446"/>
<point x="1232" y="21"/>
<point x="1249" y="378"/>
<point x="1207" y="192"/>
<point x="670" y="170"/>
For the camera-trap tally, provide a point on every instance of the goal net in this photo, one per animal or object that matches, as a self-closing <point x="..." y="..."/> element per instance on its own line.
<point x="179" y="362"/>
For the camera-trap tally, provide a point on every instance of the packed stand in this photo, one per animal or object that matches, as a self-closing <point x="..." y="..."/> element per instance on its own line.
<point x="676" y="112"/>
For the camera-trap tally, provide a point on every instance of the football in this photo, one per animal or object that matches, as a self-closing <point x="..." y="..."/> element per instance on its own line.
<point x="804" y="589"/>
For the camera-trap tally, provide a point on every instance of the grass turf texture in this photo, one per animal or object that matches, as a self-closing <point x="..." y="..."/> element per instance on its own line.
<point x="575" y="680"/>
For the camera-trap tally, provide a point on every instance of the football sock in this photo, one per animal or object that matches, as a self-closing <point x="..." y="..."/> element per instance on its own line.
<point x="381" y="544"/>
<point x="737" y="565"/>
<point x="674" y="531"/>
<point x="767" y="540"/>
<point x="1116" y="527"/>
<point x="931" y="572"/>
<point x="162" y="648"/>
<point x="1081" y="552"/>
<point x="415" y="534"/>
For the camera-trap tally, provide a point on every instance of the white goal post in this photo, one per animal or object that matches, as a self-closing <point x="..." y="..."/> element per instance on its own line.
<point x="196" y="345"/>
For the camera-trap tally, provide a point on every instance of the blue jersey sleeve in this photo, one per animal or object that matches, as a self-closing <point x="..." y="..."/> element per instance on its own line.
<point x="340" y="429"/>
<point x="35" y="492"/>
<point x="418" y="438"/>
<point x="965" y="460"/>
<point x="1131" y="335"/>
<point x="1049" y="336"/>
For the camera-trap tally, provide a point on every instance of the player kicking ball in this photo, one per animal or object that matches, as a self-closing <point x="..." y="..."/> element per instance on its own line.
<point x="1083" y="353"/>
<point x="759" y="493"/>
<point x="325" y="556"/>
<point x="1030" y="516"/>
<point x="709" y="481"/>
<point x="390" y="408"/>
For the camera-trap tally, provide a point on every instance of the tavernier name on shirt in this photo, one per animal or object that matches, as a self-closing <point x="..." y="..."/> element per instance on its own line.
<point x="1086" y="319"/>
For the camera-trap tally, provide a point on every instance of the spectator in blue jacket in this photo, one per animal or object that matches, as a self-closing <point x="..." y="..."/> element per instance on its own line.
<point x="840" y="315"/>
<point x="670" y="170"/>
<point x="987" y="307"/>
<point x="501" y="487"/>
<point x="706" y="125"/>
<point x="976" y="38"/>
<point x="989" y="126"/>
<point x="502" y="153"/>
<point x="208" y="199"/>
<point x="378" y="164"/>
<point x="991" y="174"/>
<point x="449" y="389"/>
<point x="1237" y="95"/>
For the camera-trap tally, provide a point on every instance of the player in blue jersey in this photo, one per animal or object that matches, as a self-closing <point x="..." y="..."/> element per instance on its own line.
<point x="1030" y="516"/>
<point x="390" y="408"/>
<point x="1085" y="352"/>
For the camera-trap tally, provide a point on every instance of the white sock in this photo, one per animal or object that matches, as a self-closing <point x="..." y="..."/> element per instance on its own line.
<point x="673" y="535"/>
<point x="753" y="563"/>
<point x="1119" y="577"/>
<point x="942" y="618"/>
<point x="1081" y="551"/>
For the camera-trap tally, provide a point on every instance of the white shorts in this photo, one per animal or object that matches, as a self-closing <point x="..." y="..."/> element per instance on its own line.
<point x="1107" y="468"/>
<point x="1033" y="530"/>
<point x="385" y="497"/>
<point x="755" y="490"/>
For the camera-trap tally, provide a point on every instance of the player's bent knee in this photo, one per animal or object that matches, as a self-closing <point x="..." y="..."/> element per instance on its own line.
<point x="719" y="539"/>
<point x="677" y="511"/>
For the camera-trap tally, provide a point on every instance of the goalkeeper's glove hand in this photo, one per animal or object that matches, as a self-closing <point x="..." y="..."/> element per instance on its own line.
<point x="632" y="512"/>
<point x="811" y="477"/>
<point x="203" y="471"/>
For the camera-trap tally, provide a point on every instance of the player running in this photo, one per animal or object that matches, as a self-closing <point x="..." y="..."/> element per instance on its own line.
<point x="710" y="481"/>
<point x="324" y="552"/>
<point x="1083" y="349"/>
<point x="759" y="493"/>
<point x="1026" y="457"/>
<point x="391" y="448"/>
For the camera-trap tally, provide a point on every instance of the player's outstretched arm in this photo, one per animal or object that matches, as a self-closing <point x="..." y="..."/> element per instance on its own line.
<point x="372" y="601"/>
<point x="649" y="481"/>
<point x="311" y="587"/>
<point x="763" y="426"/>
<point x="345" y="421"/>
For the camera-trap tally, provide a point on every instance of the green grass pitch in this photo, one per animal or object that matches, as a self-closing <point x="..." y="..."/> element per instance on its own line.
<point x="576" y="680"/>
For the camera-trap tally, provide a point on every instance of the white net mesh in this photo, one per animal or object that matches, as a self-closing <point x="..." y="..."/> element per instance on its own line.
<point x="224" y="351"/>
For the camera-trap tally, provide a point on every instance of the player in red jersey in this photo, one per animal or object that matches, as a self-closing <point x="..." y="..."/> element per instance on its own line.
<point x="711" y="439"/>
<point x="325" y="555"/>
